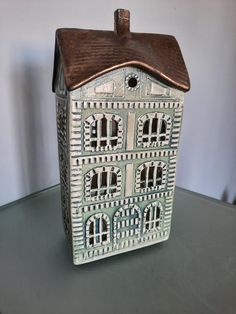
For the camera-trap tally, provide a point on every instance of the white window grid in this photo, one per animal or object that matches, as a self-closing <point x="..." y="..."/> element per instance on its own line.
<point x="155" y="134"/>
<point x="153" y="217"/>
<point x="103" y="132"/>
<point x="154" y="182"/>
<point x="98" y="230"/>
<point x="108" y="185"/>
<point x="151" y="176"/>
<point x="105" y="189"/>
<point x="127" y="222"/>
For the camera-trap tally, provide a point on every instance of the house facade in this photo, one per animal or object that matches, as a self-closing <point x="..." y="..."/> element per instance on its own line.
<point x="118" y="137"/>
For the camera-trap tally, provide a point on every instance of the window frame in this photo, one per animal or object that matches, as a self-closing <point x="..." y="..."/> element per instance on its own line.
<point x="97" y="117"/>
<point x="153" y="206"/>
<point x="120" y="236"/>
<point x="138" y="182"/>
<point x="98" y="170"/>
<point x="97" y="235"/>
<point x="150" y="117"/>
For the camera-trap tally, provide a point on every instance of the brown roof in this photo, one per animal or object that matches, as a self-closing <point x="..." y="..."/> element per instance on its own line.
<point x="87" y="54"/>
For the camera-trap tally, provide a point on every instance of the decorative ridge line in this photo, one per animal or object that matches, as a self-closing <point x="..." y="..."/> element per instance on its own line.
<point x="83" y="160"/>
<point x="163" y="104"/>
<point x="130" y="200"/>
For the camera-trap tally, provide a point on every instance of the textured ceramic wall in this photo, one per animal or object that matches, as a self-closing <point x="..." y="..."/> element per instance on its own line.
<point x="120" y="212"/>
<point x="28" y="141"/>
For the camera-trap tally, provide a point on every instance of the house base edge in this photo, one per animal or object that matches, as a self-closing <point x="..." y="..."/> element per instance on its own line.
<point x="80" y="260"/>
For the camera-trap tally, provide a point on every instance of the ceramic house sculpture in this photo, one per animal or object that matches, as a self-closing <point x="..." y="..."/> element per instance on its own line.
<point x="119" y="100"/>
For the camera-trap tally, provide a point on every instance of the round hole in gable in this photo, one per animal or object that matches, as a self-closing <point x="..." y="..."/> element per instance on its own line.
<point x="132" y="82"/>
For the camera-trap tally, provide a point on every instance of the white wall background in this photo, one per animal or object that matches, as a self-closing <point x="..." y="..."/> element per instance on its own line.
<point x="206" y="33"/>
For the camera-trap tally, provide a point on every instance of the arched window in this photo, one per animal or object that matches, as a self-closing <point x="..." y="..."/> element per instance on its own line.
<point x="151" y="176"/>
<point x="102" y="132"/>
<point x="152" y="217"/>
<point x="153" y="130"/>
<point x="102" y="183"/>
<point x="127" y="222"/>
<point x="98" y="230"/>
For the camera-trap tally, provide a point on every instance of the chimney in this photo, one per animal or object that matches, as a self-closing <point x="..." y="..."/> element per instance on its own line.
<point x="122" y="22"/>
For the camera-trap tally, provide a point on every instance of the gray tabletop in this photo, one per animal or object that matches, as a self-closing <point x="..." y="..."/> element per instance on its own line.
<point x="193" y="272"/>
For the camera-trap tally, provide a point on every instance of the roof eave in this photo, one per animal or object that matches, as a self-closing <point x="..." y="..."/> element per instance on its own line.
<point x="149" y="69"/>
